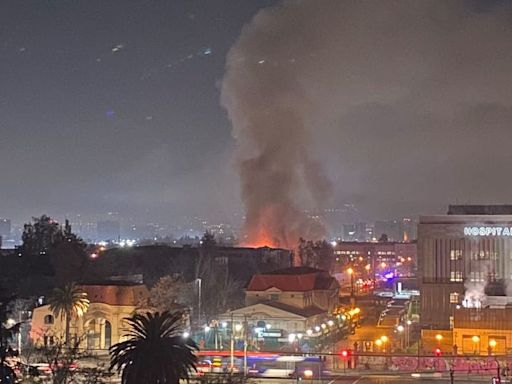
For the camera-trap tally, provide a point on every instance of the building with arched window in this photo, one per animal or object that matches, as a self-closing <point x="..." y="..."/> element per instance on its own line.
<point x="101" y="326"/>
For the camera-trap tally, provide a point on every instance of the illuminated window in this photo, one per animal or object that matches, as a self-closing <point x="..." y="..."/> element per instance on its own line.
<point x="456" y="276"/>
<point x="456" y="254"/>
<point x="477" y="276"/>
<point x="454" y="297"/>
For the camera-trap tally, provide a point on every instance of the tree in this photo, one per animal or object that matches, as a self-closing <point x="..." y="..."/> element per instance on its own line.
<point x="168" y="293"/>
<point x="8" y="330"/>
<point x="208" y="240"/>
<point x="68" y="302"/>
<point x="156" y="351"/>
<point x="66" y="251"/>
<point x="383" y="238"/>
<point x="39" y="236"/>
<point x="317" y="254"/>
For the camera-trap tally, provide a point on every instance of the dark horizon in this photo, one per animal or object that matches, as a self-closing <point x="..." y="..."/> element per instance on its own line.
<point x="115" y="107"/>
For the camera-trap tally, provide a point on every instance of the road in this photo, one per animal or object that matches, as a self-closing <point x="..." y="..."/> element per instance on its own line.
<point x="377" y="379"/>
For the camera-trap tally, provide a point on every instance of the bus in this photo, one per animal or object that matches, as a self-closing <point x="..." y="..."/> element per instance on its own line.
<point x="263" y="364"/>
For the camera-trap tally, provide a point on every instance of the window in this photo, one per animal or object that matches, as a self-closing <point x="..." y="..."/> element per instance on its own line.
<point x="477" y="276"/>
<point x="454" y="297"/>
<point x="456" y="254"/>
<point x="48" y="341"/>
<point x="274" y="297"/>
<point x="48" y="319"/>
<point x="456" y="276"/>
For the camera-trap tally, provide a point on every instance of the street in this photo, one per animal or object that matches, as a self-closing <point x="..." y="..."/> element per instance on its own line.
<point x="380" y="379"/>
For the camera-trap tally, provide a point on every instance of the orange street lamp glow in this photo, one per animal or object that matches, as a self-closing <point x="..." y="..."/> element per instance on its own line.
<point x="475" y="339"/>
<point x="350" y="271"/>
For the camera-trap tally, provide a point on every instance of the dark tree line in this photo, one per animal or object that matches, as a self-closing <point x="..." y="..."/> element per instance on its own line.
<point x="316" y="254"/>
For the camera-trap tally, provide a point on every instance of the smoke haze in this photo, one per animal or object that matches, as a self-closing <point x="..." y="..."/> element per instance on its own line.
<point x="385" y="96"/>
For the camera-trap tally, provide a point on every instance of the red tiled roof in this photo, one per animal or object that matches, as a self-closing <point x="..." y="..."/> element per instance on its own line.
<point x="304" y="280"/>
<point x="116" y="294"/>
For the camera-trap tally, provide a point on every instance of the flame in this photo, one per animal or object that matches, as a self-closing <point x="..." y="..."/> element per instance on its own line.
<point x="261" y="239"/>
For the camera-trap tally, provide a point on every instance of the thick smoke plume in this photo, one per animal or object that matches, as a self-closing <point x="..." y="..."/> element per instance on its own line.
<point x="268" y="107"/>
<point x="385" y="94"/>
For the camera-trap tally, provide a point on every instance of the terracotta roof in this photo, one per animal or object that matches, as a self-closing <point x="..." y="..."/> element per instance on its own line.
<point x="116" y="294"/>
<point x="297" y="279"/>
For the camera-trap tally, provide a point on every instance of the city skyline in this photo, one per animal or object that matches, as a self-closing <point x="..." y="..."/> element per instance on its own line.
<point x="132" y="121"/>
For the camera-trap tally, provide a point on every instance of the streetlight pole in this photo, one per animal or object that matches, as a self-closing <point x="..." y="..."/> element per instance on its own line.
<point x="350" y="271"/>
<point x="199" y="289"/>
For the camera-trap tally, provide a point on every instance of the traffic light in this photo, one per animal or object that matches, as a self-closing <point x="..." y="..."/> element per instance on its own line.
<point x="345" y="354"/>
<point x="437" y="352"/>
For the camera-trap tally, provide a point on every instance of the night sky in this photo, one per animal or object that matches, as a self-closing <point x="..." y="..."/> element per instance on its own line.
<point x="115" y="105"/>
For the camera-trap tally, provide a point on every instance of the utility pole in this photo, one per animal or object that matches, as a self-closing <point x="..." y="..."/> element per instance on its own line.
<point x="199" y="285"/>
<point x="232" y="345"/>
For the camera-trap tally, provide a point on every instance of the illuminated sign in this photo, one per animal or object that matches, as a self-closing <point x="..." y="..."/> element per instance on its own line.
<point x="487" y="231"/>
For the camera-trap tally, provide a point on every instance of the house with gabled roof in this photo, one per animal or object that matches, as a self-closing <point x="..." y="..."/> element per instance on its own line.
<point x="297" y="287"/>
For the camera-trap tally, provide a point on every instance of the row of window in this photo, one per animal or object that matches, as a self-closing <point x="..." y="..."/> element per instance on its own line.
<point x="457" y="254"/>
<point x="474" y="276"/>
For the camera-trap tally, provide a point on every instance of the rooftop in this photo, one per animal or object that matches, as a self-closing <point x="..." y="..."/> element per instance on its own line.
<point x="503" y="209"/>
<point x="129" y="295"/>
<point x="295" y="279"/>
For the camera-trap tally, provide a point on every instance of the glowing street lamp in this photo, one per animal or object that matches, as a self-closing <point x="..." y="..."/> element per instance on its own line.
<point x="492" y="345"/>
<point x="384" y="339"/>
<point x="330" y="323"/>
<point x="439" y="338"/>
<point x="400" y="328"/>
<point x="476" y="341"/>
<point x="350" y="271"/>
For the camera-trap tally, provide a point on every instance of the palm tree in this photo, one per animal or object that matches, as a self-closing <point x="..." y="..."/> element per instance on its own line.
<point x="68" y="302"/>
<point x="156" y="351"/>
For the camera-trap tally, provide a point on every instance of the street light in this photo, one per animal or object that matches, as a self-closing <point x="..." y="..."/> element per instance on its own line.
<point x="400" y="328"/>
<point x="199" y="294"/>
<point x="476" y="341"/>
<point x="330" y="323"/>
<point x="439" y="338"/>
<point x="492" y="345"/>
<point x="350" y="271"/>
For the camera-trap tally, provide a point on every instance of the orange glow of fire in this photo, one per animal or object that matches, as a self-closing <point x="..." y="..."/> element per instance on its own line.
<point x="262" y="239"/>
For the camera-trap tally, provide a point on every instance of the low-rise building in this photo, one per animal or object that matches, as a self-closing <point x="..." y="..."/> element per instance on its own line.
<point x="297" y="287"/>
<point x="101" y="326"/>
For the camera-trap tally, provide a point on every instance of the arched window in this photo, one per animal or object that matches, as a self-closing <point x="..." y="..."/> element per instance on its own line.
<point x="48" y="319"/>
